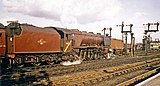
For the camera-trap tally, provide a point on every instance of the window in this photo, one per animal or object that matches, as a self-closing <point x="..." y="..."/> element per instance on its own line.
<point x="68" y="36"/>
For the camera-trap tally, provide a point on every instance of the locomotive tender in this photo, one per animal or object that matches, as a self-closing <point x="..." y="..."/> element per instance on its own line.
<point x="117" y="46"/>
<point x="24" y="43"/>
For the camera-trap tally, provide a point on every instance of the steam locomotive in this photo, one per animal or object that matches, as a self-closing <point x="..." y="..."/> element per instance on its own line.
<point x="25" y="43"/>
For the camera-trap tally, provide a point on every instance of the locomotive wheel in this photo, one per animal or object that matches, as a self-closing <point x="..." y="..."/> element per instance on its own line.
<point x="36" y="64"/>
<point x="20" y="65"/>
<point x="50" y="63"/>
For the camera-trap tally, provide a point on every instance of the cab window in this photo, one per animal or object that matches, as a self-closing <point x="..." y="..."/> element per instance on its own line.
<point x="68" y="36"/>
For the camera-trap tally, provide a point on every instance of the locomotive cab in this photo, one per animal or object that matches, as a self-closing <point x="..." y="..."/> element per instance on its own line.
<point x="66" y="39"/>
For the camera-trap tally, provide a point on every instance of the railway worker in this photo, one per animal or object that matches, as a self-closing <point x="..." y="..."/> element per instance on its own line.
<point x="109" y="53"/>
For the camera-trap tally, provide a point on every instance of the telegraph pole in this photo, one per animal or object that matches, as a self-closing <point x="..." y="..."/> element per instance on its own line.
<point x="147" y="37"/>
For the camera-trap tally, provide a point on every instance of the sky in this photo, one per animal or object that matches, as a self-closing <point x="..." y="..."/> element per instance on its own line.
<point x="85" y="15"/>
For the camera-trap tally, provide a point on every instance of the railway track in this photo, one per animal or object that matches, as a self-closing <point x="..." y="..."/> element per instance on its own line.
<point x="140" y="78"/>
<point x="45" y="74"/>
<point x="94" y="77"/>
<point x="151" y="81"/>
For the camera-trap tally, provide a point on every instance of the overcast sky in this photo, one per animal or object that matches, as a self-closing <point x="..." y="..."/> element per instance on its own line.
<point x="85" y="15"/>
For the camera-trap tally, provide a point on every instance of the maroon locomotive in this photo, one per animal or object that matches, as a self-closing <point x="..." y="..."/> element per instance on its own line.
<point x="24" y="43"/>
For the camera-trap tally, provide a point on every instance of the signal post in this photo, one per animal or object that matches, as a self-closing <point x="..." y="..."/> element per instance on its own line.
<point x="126" y="33"/>
<point x="147" y="38"/>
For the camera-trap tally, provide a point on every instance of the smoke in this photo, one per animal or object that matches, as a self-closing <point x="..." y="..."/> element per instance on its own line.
<point x="65" y="11"/>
